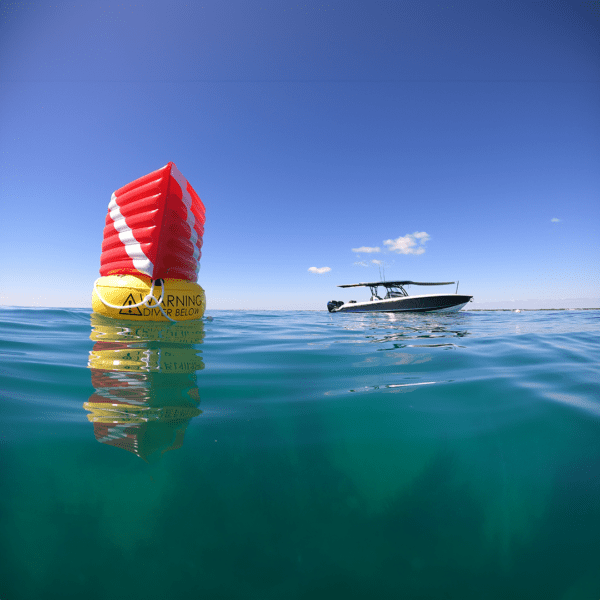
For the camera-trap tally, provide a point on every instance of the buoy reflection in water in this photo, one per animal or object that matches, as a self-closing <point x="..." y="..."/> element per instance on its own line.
<point x="144" y="378"/>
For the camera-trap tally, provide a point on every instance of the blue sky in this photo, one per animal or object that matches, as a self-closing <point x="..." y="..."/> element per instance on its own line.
<point x="461" y="139"/>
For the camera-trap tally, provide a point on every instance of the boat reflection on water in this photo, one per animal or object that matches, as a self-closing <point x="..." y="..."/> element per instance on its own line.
<point x="144" y="376"/>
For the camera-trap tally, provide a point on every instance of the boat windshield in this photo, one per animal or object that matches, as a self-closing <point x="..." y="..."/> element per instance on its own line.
<point x="395" y="291"/>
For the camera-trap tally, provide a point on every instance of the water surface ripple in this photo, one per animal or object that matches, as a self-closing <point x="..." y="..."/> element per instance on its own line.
<point x="300" y="455"/>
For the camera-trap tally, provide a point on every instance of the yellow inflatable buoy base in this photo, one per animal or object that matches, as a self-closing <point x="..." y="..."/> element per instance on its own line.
<point x="133" y="297"/>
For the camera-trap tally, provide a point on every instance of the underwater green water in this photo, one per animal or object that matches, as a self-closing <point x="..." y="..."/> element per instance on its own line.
<point x="300" y="455"/>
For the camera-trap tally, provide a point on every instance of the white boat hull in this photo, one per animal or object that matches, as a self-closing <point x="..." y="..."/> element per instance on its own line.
<point x="424" y="303"/>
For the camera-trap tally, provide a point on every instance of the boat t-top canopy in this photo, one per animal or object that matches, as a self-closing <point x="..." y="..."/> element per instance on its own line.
<point x="388" y="284"/>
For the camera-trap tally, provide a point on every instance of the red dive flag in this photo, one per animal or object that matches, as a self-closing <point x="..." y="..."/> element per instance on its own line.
<point x="154" y="227"/>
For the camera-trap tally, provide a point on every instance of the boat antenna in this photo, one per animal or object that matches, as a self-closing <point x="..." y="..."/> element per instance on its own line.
<point x="456" y="292"/>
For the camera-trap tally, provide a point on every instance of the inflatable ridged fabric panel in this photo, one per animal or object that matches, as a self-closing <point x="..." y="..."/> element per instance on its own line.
<point x="154" y="227"/>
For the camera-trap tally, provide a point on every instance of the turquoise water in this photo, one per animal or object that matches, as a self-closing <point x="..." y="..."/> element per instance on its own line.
<point x="300" y="455"/>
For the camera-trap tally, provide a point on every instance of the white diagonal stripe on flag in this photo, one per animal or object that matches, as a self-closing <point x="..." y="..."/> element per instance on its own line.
<point x="133" y="248"/>
<point x="187" y="200"/>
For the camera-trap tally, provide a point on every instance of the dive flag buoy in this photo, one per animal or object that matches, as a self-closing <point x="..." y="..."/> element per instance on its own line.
<point x="151" y="251"/>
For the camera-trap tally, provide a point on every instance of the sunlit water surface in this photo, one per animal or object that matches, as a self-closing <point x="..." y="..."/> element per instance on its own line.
<point x="300" y="455"/>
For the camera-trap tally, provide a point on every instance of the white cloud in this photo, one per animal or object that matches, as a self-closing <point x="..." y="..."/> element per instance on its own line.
<point x="377" y="262"/>
<point x="319" y="270"/>
<point x="409" y="244"/>
<point x="555" y="220"/>
<point x="366" y="250"/>
<point x="421" y="235"/>
<point x="362" y="263"/>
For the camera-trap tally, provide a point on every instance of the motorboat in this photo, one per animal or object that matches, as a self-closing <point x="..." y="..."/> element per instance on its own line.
<point x="397" y="299"/>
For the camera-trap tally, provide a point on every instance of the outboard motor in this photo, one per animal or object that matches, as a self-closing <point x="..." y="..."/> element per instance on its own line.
<point x="332" y="305"/>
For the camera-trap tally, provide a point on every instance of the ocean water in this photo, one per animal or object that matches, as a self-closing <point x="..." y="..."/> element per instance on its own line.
<point x="300" y="455"/>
